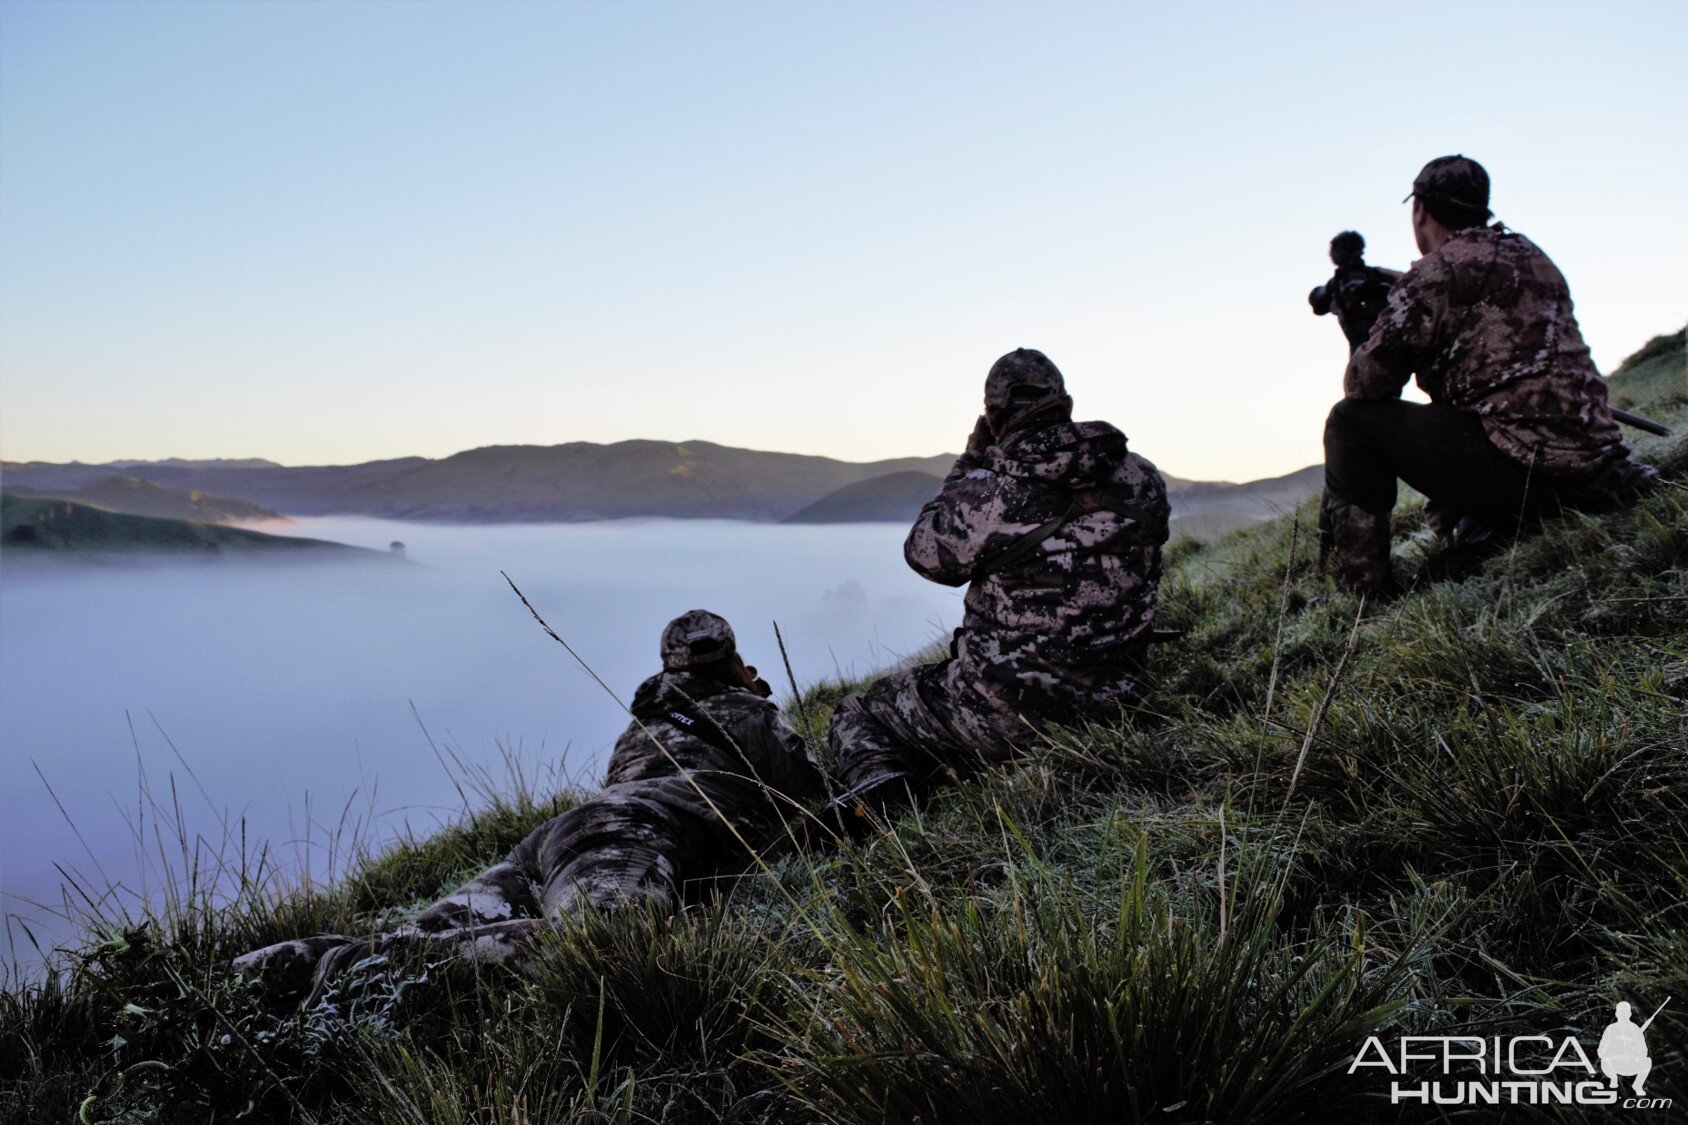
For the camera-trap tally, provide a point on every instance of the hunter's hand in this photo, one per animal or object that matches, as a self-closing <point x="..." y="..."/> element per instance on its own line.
<point x="747" y="674"/>
<point x="981" y="438"/>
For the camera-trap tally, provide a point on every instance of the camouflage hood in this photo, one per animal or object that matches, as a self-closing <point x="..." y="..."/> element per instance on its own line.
<point x="1058" y="630"/>
<point x="708" y="748"/>
<point x="1070" y="455"/>
<point x="676" y="691"/>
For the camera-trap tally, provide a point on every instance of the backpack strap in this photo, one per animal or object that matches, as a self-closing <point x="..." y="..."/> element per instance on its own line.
<point x="702" y="726"/>
<point x="1150" y="529"/>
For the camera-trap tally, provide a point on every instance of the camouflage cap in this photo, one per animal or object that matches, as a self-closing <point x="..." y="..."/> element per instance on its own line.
<point x="1025" y="368"/>
<point x="697" y="637"/>
<point x="1458" y="180"/>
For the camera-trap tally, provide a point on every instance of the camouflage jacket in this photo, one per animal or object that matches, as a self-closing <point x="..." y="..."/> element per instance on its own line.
<point x="720" y="744"/>
<point x="1485" y="322"/>
<point x="1064" y="625"/>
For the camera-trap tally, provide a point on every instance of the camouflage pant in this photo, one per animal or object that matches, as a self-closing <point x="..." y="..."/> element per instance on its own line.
<point x="613" y="850"/>
<point x="1444" y="453"/>
<point x="919" y="723"/>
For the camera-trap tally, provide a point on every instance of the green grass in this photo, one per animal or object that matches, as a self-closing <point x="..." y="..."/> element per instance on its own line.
<point x="1465" y="811"/>
<point x="1653" y="377"/>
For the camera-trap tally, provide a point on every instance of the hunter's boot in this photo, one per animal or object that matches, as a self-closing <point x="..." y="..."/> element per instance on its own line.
<point x="1327" y="532"/>
<point x="1443" y="519"/>
<point x="869" y="806"/>
<point x="1614" y="488"/>
<point x="1467" y="543"/>
<point x="1361" y="543"/>
<point x="286" y="971"/>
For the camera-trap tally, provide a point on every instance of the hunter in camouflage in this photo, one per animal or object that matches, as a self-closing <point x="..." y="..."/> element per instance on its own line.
<point x="707" y="771"/>
<point x="1058" y="528"/>
<point x="1517" y="425"/>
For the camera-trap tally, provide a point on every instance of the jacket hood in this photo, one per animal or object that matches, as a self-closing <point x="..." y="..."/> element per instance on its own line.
<point x="675" y="690"/>
<point x="1075" y="455"/>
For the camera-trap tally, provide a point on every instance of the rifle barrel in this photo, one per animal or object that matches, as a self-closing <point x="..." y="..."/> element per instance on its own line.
<point x="1640" y="423"/>
<point x="1655" y="1014"/>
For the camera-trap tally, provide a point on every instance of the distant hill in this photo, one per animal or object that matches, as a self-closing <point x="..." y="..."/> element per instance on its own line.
<point x="34" y="525"/>
<point x="892" y="498"/>
<point x="587" y="481"/>
<point x="1255" y="499"/>
<point x="692" y="479"/>
<point x="1210" y="506"/>
<point x="137" y="497"/>
<point x="204" y="463"/>
<point x="1208" y="526"/>
<point x="513" y="483"/>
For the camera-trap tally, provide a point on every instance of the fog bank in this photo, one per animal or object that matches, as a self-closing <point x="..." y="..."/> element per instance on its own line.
<point x="290" y="687"/>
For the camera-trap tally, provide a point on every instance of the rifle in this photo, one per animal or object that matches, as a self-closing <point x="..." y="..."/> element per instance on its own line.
<point x="1655" y="1014"/>
<point x="1640" y="423"/>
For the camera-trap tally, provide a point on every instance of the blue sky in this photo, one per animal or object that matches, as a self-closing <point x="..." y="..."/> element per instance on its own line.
<point x="331" y="232"/>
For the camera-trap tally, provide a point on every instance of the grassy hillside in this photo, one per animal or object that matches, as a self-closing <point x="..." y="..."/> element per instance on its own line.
<point x="34" y="526"/>
<point x="136" y="497"/>
<point x="1464" y="813"/>
<point x="1654" y="377"/>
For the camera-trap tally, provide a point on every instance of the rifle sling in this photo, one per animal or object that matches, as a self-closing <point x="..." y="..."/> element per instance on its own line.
<point x="1149" y="527"/>
<point x="701" y="725"/>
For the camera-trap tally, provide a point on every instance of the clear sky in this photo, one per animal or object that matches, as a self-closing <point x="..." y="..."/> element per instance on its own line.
<point x="332" y="232"/>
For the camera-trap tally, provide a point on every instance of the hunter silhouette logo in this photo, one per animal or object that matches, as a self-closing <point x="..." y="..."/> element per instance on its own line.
<point x="1623" y="1048"/>
<point x="1469" y="1070"/>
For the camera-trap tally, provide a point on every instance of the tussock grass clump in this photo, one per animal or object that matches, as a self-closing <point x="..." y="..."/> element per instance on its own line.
<point x="1039" y="1006"/>
<point x="645" y="987"/>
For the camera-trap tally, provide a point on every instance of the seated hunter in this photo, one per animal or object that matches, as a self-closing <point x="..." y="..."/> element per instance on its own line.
<point x="1056" y="528"/>
<point x="1518" y="425"/>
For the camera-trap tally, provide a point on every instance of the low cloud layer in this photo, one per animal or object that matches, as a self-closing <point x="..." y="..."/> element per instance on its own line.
<point x="288" y="689"/>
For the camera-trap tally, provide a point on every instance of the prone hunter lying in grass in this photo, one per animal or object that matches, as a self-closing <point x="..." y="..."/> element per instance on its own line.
<point x="707" y="771"/>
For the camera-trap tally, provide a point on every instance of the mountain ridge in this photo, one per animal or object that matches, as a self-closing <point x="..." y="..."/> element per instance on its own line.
<point x="567" y="482"/>
<point x="573" y="481"/>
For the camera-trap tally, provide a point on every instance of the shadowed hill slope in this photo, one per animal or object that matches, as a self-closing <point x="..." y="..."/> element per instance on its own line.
<point x="892" y="498"/>
<point x="136" y="497"/>
<point x="1199" y="508"/>
<point x="33" y="526"/>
